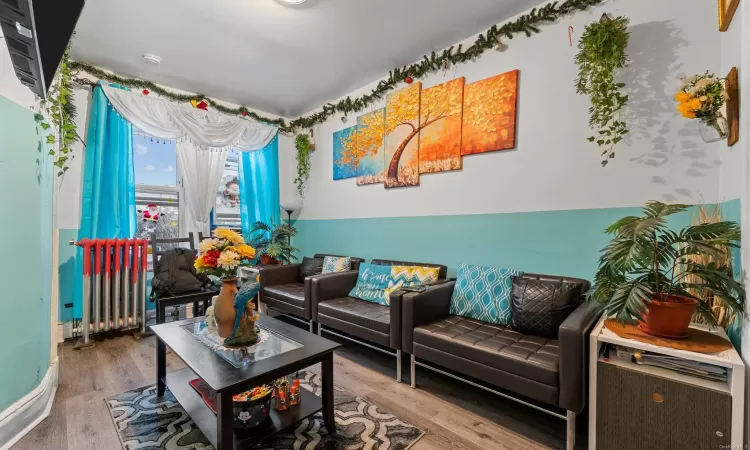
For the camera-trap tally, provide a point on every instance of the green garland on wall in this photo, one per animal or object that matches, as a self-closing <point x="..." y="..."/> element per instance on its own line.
<point x="489" y="40"/>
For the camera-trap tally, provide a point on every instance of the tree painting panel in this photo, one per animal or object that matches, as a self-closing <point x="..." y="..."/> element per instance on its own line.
<point x="489" y="122"/>
<point x="344" y="149"/>
<point x="441" y="115"/>
<point x="368" y="156"/>
<point x="402" y="137"/>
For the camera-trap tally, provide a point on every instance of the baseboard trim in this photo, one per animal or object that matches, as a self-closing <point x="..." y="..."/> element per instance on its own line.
<point x="22" y="416"/>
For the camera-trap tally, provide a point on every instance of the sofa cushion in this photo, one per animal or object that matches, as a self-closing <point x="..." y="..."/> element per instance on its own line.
<point x="483" y="293"/>
<point x="497" y="346"/>
<point x="333" y="264"/>
<point x="293" y="293"/>
<point x="310" y="267"/>
<point x="372" y="282"/>
<point x="410" y="276"/>
<point x="359" y="312"/>
<point x="540" y="306"/>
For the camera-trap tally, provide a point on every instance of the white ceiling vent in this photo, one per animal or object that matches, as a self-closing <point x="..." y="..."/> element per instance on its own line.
<point x="151" y="59"/>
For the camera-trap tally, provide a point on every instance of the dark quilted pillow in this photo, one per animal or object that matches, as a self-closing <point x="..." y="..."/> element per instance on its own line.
<point x="539" y="307"/>
<point x="310" y="267"/>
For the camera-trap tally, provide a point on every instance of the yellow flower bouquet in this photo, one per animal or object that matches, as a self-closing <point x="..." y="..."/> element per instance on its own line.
<point x="703" y="97"/>
<point x="222" y="254"/>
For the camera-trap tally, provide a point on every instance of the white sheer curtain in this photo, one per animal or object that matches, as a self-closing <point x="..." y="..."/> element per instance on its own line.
<point x="202" y="171"/>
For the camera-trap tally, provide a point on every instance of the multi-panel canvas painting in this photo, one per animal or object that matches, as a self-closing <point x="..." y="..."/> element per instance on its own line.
<point x="402" y="137"/>
<point x="345" y="163"/>
<point x="440" y="122"/>
<point x="489" y="122"/>
<point x="370" y="157"/>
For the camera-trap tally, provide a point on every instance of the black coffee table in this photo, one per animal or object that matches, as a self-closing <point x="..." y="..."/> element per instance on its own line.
<point x="285" y="350"/>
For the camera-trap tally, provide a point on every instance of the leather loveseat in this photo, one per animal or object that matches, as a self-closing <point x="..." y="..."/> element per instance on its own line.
<point x="284" y="290"/>
<point x="381" y="325"/>
<point x="551" y="371"/>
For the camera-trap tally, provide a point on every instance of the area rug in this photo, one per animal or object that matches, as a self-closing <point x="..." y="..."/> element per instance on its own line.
<point x="146" y="422"/>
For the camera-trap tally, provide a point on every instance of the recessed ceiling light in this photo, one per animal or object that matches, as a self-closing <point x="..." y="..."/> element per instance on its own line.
<point x="291" y="2"/>
<point x="150" y="58"/>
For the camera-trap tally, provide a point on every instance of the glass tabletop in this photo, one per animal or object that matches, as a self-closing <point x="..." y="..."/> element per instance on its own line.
<point x="270" y="344"/>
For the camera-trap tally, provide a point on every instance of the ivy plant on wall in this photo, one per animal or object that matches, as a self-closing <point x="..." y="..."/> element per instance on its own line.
<point x="57" y="116"/>
<point x="302" y="143"/>
<point x="601" y="53"/>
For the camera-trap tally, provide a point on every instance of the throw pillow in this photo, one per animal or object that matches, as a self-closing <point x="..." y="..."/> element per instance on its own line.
<point x="539" y="306"/>
<point x="310" y="267"/>
<point x="371" y="283"/>
<point x="409" y="276"/>
<point x="483" y="293"/>
<point x="336" y="264"/>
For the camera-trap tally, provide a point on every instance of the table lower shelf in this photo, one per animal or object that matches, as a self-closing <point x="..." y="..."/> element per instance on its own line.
<point x="206" y="420"/>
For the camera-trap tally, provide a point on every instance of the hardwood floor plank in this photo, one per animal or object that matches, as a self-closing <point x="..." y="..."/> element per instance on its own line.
<point x="89" y="423"/>
<point x="79" y="371"/>
<point x="122" y="372"/>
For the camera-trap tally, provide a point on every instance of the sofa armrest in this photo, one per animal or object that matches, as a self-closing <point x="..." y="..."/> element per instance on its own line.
<point x="275" y="275"/>
<point x="422" y="308"/>
<point x="329" y="286"/>
<point x="573" y="338"/>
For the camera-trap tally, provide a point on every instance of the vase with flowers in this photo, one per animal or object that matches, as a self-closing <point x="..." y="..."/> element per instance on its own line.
<point x="704" y="97"/>
<point x="221" y="256"/>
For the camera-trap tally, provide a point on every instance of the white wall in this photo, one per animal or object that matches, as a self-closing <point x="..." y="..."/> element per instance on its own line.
<point x="553" y="166"/>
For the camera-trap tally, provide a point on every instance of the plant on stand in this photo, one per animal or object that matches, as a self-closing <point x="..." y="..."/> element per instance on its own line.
<point x="704" y="97"/>
<point x="601" y="51"/>
<point x="222" y="256"/>
<point x="651" y="274"/>
<point x="304" y="149"/>
<point x="273" y="243"/>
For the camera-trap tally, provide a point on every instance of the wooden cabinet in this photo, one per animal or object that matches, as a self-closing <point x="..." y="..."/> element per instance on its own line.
<point x="640" y="411"/>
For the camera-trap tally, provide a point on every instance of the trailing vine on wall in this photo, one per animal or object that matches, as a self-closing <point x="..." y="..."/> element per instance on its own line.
<point x="601" y="53"/>
<point x="304" y="149"/>
<point x="56" y="115"/>
<point x="527" y="24"/>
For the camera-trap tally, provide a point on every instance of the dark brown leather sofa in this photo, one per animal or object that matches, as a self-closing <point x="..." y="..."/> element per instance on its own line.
<point x="553" y="372"/>
<point x="333" y="308"/>
<point x="283" y="289"/>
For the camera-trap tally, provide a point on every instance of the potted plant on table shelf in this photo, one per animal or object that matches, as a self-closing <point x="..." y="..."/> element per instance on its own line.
<point x="273" y="243"/>
<point x="221" y="256"/>
<point x="704" y="97"/>
<point x="651" y="274"/>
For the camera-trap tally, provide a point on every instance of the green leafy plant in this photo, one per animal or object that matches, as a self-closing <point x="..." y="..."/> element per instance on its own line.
<point x="273" y="243"/>
<point x="57" y="116"/>
<point x="304" y="149"/>
<point x="646" y="260"/>
<point x="601" y="51"/>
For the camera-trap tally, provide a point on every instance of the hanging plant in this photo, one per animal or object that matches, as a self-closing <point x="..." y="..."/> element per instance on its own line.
<point x="601" y="53"/>
<point x="304" y="148"/>
<point x="57" y="115"/>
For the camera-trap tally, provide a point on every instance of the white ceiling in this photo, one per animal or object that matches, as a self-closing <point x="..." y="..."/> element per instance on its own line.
<point x="285" y="61"/>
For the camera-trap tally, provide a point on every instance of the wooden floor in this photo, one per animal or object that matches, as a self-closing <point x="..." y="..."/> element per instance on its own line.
<point x="453" y="415"/>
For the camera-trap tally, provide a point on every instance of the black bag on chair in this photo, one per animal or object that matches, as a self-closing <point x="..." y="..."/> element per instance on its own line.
<point x="175" y="274"/>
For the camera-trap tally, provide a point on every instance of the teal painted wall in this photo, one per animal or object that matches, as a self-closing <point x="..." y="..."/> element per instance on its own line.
<point x="26" y="187"/>
<point x="67" y="272"/>
<point x="549" y="242"/>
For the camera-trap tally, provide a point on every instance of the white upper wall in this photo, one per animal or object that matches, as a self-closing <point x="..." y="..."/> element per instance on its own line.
<point x="553" y="166"/>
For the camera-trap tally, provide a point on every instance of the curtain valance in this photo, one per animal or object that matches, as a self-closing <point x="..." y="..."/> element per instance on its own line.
<point x="206" y="129"/>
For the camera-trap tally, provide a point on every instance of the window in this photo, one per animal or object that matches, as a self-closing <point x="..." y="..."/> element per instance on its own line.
<point x="227" y="208"/>
<point x="157" y="187"/>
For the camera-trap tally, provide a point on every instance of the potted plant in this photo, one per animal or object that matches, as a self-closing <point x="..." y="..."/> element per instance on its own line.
<point x="651" y="274"/>
<point x="221" y="256"/>
<point x="273" y="243"/>
<point x="304" y="149"/>
<point x="704" y="97"/>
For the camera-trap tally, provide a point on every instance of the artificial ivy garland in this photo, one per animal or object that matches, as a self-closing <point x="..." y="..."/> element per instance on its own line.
<point x="489" y="40"/>
<point x="302" y="143"/>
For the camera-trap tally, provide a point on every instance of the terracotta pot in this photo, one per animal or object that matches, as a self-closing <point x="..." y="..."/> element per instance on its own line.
<point x="670" y="317"/>
<point x="224" y="311"/>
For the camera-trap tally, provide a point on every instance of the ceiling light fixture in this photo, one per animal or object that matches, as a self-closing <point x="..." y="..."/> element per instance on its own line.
<point x="291" y="2"/>
<point x="150" y="58"/>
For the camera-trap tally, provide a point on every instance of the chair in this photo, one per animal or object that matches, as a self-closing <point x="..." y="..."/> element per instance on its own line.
<point x="195" y="298"/>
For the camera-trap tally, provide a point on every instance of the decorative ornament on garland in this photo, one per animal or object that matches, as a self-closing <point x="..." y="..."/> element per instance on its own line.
<point x="527" y="24"/>
<point x="244" y="113"/>
<point x="409" y="80"/>
<point x="199" y="104"/>
<point x="146" y="92"/>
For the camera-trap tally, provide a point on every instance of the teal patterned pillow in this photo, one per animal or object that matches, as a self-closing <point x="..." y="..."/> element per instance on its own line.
<point x="336" y="264"/>
<point x="372" y="283"/>
<point x="483" y="293"/>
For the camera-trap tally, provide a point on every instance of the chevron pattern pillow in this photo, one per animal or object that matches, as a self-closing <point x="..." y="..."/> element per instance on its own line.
<point x="409" y="276"/>
<point x="483" y="293"/>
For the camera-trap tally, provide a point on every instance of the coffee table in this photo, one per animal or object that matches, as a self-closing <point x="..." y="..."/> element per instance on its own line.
<point x="286" y="350"/>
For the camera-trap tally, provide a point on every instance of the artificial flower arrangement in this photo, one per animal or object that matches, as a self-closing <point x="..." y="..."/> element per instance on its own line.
<point x="703" y="97"/>
<point x="221" y="255"/>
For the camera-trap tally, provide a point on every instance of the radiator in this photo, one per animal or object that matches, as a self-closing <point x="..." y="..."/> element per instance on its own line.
<point x="114" y="285"/>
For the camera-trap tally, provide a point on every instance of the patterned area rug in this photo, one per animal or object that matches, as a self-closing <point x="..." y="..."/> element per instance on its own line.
<point x="144" y="421"/>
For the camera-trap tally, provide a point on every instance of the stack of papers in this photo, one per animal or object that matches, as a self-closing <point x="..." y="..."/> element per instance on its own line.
<point x="683" y="366"/>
